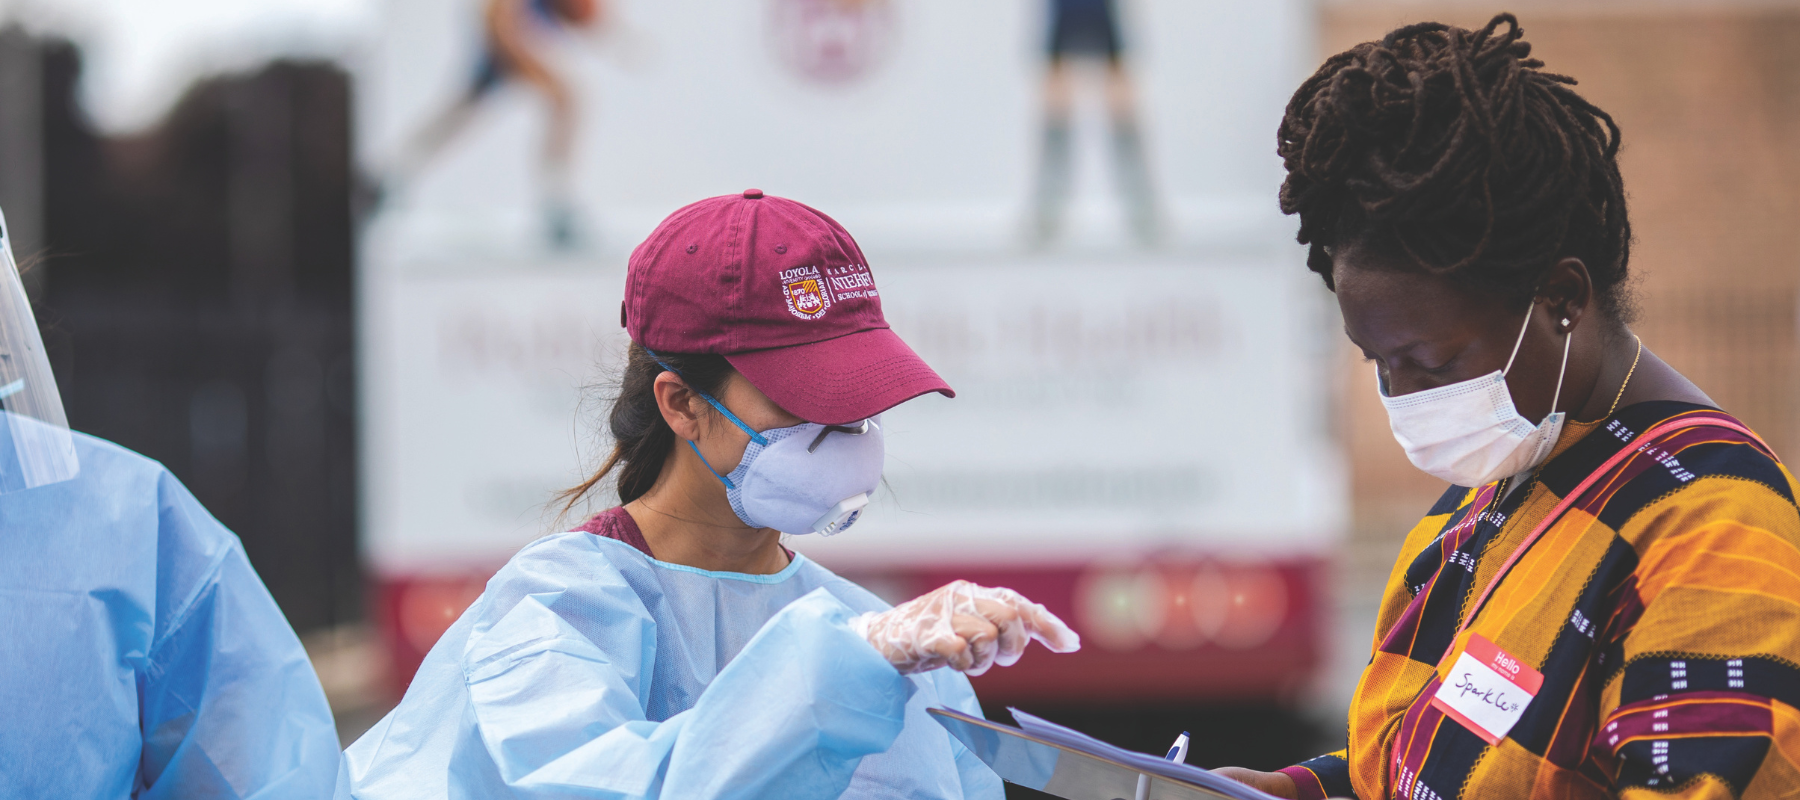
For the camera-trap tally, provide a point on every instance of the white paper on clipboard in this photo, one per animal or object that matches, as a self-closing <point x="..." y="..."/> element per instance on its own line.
<point x="1050" y="758"/>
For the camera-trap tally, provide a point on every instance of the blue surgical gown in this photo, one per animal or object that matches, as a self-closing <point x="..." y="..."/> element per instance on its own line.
<point x="589" y="670"/>
<point x="140" y="655"/>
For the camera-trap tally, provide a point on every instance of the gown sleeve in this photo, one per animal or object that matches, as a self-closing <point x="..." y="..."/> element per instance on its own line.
<point x="558" y="703"/>
<point x="229" y="704"/>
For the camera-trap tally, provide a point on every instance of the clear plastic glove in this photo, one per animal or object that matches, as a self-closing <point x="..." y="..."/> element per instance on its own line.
<point x="965" y="627"/>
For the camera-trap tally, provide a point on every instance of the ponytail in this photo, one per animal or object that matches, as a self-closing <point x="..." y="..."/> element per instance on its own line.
<point x="642" y="439"/>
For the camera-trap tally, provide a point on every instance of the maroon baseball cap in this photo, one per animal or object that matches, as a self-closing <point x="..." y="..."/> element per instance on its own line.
<point x="784" y="293"/>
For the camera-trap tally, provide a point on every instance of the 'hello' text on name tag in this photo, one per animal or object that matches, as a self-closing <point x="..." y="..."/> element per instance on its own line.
<point x="1487" y="689"/>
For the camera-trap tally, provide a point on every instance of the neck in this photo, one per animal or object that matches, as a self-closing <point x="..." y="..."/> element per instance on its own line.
<point x="1653" y="379"/>
<point x="686" y="520"/>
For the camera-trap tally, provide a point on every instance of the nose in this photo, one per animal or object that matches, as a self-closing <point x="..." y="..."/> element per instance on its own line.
<point x="1393" y="388"/>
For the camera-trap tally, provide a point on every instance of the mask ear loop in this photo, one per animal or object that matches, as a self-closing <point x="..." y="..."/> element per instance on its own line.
<point x="1562" y="372"/>
<point x="1568" y="338"/>
<point x="709" y="467"/>
<point x="720" y="407"/>
<point x="1509" y="359"/>
<point x="754" y="436"/>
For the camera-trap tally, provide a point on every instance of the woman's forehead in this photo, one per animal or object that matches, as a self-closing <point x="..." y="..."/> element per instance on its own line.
<point x="1385" y="307"/>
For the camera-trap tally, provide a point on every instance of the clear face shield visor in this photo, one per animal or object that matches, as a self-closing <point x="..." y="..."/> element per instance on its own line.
<point x="36" y="447"/>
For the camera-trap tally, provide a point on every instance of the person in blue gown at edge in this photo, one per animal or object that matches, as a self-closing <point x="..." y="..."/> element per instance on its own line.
<point x="671" y="647"/>
<point x="140" y="654"/>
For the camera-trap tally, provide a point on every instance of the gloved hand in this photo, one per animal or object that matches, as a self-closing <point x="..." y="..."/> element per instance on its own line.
<point x="965" y="627"/>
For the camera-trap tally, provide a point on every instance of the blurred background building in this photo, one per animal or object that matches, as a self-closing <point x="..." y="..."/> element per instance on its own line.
<point x="376" y="363"/>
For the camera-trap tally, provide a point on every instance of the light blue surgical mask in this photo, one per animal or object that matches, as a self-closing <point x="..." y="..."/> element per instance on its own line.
<point x="806" y="478"/>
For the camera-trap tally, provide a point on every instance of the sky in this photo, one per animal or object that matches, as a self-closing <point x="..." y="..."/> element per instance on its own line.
<point x="139" y="55"/>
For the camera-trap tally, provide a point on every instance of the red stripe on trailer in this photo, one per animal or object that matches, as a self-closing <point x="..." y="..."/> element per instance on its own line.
<point x="1165" y="629"/>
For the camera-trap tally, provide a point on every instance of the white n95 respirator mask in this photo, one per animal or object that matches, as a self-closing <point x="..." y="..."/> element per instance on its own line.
<point x="1468" y="433"/>
<point x="807" y="478"/>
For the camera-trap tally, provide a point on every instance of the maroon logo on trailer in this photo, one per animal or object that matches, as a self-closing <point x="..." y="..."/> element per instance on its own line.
<point x="832" y="41"/>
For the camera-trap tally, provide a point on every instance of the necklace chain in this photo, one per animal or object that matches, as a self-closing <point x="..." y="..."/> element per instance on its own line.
<point x="1500" y="490"/>
<point x="646" y="504"/>
<point x="1628" y="374"/>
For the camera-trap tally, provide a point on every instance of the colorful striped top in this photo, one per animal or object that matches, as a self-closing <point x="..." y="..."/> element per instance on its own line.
<point x="1661" y="608"/>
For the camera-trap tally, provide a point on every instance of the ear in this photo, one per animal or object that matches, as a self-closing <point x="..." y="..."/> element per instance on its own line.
<point x="1567" y="292"/>
<point x="679" y="405"/>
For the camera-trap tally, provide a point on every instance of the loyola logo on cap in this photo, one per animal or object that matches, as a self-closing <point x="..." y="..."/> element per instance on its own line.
<point x="805" y="291"/>
<point x="831" y="358"/>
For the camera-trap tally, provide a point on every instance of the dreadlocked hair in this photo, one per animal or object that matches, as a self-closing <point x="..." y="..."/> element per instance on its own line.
<point x="642" y="439"/>
<point x="1454" y="153"/>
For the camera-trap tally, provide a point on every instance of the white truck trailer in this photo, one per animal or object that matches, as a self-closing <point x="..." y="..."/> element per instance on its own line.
<point x="1141" y="436"/>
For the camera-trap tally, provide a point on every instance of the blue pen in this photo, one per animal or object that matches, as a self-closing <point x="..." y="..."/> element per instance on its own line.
<point x="1178" y="750"/>
<point x="1177" y="754"/>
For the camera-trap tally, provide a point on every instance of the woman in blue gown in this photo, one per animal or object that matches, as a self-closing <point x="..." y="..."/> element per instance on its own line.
<point x="671" y="646"/>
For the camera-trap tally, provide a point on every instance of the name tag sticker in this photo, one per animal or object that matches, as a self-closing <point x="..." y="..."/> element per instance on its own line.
<point x="1487" y="689"/>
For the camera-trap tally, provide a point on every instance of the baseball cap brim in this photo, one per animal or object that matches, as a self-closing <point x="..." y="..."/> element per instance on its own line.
<point x="842" y="380"/>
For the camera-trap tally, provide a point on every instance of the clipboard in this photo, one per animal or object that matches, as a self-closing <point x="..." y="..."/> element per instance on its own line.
<point x="1056" y="760"/>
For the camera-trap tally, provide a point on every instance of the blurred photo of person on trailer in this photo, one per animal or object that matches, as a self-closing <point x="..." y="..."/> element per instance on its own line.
<point x="1081" y="33"/>
<point x="518" y="37"/>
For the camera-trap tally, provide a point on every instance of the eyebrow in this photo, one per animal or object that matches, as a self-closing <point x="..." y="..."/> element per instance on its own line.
<point x="1401" y="349"/>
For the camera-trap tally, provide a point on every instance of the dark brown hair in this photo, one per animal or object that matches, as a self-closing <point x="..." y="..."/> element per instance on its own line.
<point x="1455" y="153"/>
<point x="641" y="437"/>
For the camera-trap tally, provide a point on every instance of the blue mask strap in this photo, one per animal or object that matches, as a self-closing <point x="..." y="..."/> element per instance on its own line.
<point x="754" y="436"/>
<point x="722" y="479"/>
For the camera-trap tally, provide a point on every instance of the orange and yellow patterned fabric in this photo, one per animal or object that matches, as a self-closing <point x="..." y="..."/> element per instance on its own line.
<point x="1662" y="609"/>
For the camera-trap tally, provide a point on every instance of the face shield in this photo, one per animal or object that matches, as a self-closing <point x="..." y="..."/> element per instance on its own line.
<point x="35" y="445"/>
